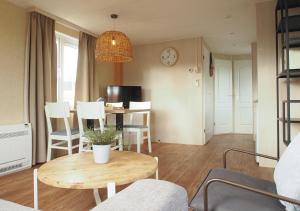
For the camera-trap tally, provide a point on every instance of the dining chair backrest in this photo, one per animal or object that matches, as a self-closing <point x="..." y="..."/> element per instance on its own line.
<point x="138" y="106"/>
<point x="115" y="105"/>
<point x="90" y="111"/>
<point x="58" y="110"/>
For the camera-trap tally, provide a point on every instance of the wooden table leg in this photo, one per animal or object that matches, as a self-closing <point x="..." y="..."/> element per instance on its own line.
<point x="97" y="196"/>
<point x="156" y="173"/>
<point x="35" y="189"/>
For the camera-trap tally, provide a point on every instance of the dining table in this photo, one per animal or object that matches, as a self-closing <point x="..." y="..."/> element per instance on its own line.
<point x="119" y="112"/>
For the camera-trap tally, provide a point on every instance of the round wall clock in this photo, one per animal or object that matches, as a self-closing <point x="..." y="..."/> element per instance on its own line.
<point x="169" y="57"/>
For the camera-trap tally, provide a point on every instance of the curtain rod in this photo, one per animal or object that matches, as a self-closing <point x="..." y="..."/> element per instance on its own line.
<point x="62" y="21"/>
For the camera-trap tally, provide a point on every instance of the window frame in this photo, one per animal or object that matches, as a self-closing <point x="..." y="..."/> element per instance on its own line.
<point x="63" y="40"/>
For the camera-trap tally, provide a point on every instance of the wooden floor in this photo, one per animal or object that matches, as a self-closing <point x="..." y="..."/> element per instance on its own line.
<point x="184" y="165"/>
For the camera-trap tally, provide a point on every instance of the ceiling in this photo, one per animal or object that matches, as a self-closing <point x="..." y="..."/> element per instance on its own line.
<point x="228" y="26"/>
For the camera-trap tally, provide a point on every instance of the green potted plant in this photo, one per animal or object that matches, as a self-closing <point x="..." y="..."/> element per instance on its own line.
<point x="101" y="142"/>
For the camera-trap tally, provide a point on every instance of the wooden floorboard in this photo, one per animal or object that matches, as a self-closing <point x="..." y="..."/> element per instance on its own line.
<point x="185" y="165"/>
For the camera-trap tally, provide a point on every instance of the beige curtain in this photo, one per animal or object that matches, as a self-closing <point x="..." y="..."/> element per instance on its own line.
<point x="40" y="79"/>
<point x="85" y="87"/>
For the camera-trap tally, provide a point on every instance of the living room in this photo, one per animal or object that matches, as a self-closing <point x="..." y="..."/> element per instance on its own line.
<point x="113" y="105"/>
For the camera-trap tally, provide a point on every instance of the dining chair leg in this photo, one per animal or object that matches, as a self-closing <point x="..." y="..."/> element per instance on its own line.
<point x="138" y="141"/>
<point x="111" y="189"/>
<point x="69" y="147"/>
<point x="129" y="141"/>
<point x="96" y="196"/>
<point x="35" y="190"/>
<point x="80" y="145"/>
<point x="49" y="151"/>
<point x="149" y="141"/>
<point x="129" y="145"/>
<point x="121" y="141"/>
<point x="156" y="173"/>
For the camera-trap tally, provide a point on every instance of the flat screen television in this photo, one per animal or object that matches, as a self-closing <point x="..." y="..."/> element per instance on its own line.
<point x="124" y="94"/>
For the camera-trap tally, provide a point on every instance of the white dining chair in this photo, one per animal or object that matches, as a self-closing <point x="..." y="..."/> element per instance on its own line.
<point x="111" y="118"/>
<point x="60" y="110"/>
<point x="92" y="111"/>
<point x="139" y="129"/>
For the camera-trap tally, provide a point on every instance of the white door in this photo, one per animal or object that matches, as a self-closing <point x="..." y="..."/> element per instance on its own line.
<point x="209" y="97"/>
<point x="223" y="97"/>
<point x="243" y="120"/>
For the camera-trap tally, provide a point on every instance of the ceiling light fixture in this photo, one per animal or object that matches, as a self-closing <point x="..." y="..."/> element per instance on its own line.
<point x="113" y="46"/>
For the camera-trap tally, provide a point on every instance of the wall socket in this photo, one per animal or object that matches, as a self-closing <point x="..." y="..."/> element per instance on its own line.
<point x="194" y="70"/>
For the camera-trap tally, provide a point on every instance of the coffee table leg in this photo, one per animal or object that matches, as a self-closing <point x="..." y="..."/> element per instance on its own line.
<point x="156" y="173"/>
<point x="35" y="189"/>
<point x="97" y="196"/>
<point x="111" y="189"/>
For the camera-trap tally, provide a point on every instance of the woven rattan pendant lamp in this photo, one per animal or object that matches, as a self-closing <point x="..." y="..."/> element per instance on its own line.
<point x="113" y="46"/>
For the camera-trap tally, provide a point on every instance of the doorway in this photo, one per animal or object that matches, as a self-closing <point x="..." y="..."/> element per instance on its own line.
<point x="243" y="109"/>
<point x="223" y="97"/>
<point x="233" y="96"/>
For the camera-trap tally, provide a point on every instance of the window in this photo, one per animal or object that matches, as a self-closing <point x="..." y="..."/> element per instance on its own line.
<point x="67" y="55"/>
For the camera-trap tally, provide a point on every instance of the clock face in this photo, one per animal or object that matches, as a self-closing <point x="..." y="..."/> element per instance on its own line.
<point x="169" y="56"/>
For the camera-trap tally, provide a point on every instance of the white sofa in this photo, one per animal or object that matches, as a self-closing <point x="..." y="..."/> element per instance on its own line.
<point x="147" y="195"/>
<point x="11" y="206"/>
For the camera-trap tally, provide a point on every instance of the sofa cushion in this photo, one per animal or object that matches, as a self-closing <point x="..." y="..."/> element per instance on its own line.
<point x="222" y="197"/>
<point x="11" y="206"/>
<point x="287" y="174"/>
<point x="147" y="195"/>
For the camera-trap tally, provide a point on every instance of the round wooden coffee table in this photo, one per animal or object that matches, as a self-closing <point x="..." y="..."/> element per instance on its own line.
<point x="79" y="171"/>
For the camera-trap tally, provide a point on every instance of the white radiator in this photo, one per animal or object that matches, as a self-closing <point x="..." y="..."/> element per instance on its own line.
<point x="15" y="148"/>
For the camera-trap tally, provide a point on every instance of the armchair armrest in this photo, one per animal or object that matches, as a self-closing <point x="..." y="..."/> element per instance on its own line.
<point x="247" y="188"/>
<point x="244" y="152"/>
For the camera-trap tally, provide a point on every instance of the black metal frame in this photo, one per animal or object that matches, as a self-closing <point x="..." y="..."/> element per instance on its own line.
<point x="237" y="185"/>
<point x="244" y="187"/>
<point x="282" y="27"/>
<point x="245" y="152"/>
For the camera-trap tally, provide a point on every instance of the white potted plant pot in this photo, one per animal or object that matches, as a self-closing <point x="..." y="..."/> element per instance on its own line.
<point x="101" y="153"/>
<point x="101" y="142"/>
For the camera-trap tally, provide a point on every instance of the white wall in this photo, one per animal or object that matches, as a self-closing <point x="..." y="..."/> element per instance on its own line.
<point x="266" y="81"/>
<point x="254" y="87"/>
<point x="13" y="25"/>
<point x="176" y="100"/>
<point x="104" y="76"/>
<point x="208" y="95"/>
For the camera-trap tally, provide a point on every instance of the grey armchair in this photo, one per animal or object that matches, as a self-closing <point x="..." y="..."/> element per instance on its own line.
<point x="226" y="190"/>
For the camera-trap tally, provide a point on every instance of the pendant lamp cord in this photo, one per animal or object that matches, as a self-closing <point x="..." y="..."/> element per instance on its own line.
<point x="114" y="17"/>
<point x="114" y="24"/>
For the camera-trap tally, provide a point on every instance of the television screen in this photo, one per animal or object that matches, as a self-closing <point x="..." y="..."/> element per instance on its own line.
<point x="124" y="94"/>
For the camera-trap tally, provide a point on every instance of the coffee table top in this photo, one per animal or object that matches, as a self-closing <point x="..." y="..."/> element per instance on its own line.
<point x="79" y="171"/>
